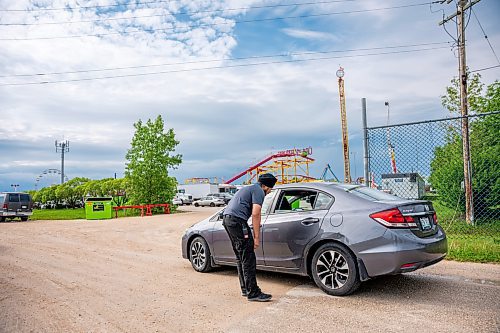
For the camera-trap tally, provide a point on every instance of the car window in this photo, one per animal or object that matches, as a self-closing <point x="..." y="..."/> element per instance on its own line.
<point x="296" y="200"/>
<point x="217" y="217"/>
<point x="268" y="200"/>
<point x="13" y="197"/>
<point x="25" y="197"/>
<point x="2" y="197"/>
<point x="323" y="201"/>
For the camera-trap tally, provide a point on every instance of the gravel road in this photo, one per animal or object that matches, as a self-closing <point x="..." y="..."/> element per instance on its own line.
<point x="127" y="275"/>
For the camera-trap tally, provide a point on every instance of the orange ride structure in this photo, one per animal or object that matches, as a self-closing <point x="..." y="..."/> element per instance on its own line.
<point x="289" y="166"/>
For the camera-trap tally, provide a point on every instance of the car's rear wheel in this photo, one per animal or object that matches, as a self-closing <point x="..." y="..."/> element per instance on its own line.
<point x="2" y="219"/>
<point x="212" y="204"/>
<point x="199" y="255"/>
<point x="24" y="218"/>
<point x="196" y="204"/>
<point x="334" y="270"/>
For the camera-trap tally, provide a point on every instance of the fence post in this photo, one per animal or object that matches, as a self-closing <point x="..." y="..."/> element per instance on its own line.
<point x="365" y="143"/>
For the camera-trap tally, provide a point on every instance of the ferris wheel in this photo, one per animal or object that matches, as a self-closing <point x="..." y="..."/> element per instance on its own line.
<point x="49" y="177"/>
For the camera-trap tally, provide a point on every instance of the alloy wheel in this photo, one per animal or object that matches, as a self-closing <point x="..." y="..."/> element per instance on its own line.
<point x="198" y="255"/>
<point x="332" y="269"/>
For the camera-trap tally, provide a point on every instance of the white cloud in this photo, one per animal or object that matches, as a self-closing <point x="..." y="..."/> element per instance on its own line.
<point x="309" y="34"/>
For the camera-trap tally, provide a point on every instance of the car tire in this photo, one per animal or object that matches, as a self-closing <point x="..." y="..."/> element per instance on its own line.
<point x="2" y="219"/>
<point x="334" y="270"/>
<point x="199" y="255"/>
<point x="182" y="203"/>
<point x="196" y="204"/>
<point x="24" y="218"/>
<point x="212" y="204"/>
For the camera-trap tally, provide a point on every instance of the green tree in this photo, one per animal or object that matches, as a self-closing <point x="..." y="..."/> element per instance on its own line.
<point x="71" y="191"/>
<point x="447" y="165"/>
<point x="149" y="158"/>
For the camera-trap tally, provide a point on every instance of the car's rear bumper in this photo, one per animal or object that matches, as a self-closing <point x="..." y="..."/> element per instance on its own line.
<point x="14" y="214"/>
<point x="403" y="252"/>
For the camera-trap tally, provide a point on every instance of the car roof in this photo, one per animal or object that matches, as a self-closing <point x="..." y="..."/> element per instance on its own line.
<point x="325" y="186"/>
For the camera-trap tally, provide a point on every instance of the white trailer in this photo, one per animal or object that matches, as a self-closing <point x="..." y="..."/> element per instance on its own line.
<point x="198" y="190"/>
<point x="404" y="185"/>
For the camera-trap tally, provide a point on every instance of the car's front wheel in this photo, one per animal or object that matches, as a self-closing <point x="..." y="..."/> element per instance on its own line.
<point x="196" y="204"/>
<point x="212" y="204"/>
<point x="24" y="218"/>
<point x="199" y="255"/>
<point x="334" y="270"/>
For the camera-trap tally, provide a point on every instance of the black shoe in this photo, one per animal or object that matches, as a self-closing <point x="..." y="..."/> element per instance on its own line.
<point x="244" y="293"/>
<point x="260" y="298"/>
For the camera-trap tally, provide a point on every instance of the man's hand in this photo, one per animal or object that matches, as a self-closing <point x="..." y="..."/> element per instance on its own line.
<point x="256" y="243"/>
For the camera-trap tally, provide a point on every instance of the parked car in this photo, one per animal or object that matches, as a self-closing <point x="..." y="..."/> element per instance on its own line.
<point x="209" y="201"/>
<point x="15" y="204"/>
<point x="224" y="196"/>
<point x="338" y="234"/>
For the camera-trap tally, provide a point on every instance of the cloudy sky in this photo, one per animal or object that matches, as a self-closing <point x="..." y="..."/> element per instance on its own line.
<point x="236" y="80"/>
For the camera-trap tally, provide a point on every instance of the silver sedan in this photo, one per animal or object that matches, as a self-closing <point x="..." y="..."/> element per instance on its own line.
<point x="338" y="234"/>
<point x="209" y="201"/>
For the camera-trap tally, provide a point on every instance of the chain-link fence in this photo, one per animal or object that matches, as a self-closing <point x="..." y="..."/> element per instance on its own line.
<point x="424" y="160"/>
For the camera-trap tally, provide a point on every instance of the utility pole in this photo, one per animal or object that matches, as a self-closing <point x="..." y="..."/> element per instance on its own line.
<point x="463" y="5"/>
<point x="343" y="116"/>
<point x="366" y="158"/>
<point x="62" y="147"/>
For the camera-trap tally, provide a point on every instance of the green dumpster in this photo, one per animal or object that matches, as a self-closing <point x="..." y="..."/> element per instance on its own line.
<point x="98" y="208"/>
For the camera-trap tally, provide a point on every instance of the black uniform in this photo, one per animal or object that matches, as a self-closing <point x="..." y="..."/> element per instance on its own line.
<point x="236" y="215"/>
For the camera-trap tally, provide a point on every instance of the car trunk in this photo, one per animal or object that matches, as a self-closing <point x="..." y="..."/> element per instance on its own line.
<point x="422" y="215"/>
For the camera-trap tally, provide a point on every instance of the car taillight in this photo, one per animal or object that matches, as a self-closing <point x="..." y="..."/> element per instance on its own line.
<point x="5" y="206"/>
<point x="435" y="218"/>
<point x="392" y="218"/>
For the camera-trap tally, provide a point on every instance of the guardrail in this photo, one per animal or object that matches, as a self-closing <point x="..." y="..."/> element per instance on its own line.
<point x="147" y="208"/>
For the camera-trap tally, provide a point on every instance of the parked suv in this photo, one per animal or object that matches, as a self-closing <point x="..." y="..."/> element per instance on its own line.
<point x="15" y="204"/>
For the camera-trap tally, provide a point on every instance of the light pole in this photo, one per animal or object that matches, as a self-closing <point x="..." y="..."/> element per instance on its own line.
<point x="15" y="186"/>
<point x="62" y="147"/>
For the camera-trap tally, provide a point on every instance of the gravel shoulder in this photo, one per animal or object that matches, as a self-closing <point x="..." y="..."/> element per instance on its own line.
<point x="127" y="275"/>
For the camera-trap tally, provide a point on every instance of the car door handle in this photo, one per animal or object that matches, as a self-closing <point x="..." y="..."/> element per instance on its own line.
<point x="309" y="221"/>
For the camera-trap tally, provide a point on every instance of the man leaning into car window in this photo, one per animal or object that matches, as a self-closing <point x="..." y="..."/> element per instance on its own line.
<point x="245" y="203"/>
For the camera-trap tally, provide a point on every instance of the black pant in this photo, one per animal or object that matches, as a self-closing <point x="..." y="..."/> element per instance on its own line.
<point x="242" y="240"/>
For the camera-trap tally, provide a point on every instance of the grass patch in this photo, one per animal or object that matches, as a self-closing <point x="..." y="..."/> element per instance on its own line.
<point x="58" y="214"/>
<point x="473" y="243"/>
<point x="477" y="249"/>
<point x="79" y="213"/>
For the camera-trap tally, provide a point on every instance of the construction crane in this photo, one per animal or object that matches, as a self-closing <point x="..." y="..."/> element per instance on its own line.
<point x="325" y="171"/>
<point x="343" y="117"/>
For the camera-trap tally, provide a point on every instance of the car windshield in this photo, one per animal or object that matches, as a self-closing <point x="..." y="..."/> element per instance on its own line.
<point x="372" y="194"/>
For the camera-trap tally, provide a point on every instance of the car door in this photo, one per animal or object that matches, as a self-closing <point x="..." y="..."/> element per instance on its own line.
<point x="221" y="245"/>
<point x="291" y="224"/>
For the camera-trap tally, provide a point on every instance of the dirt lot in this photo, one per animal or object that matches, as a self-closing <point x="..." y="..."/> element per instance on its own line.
<point x="127" y="275"/>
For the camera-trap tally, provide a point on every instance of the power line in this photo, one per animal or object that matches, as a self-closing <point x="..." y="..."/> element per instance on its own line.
<point x="218" y="67"/>
<point x="156" y="2"/>
<point x="179" y="13"/>
<point x="220" y="23"/>
<point x="484" y="69"/>
<point x="485" y="36"/>
<point x="288" y="54"/>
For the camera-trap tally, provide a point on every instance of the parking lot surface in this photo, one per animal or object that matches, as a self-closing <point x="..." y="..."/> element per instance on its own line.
<point x="127" y="275"/>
